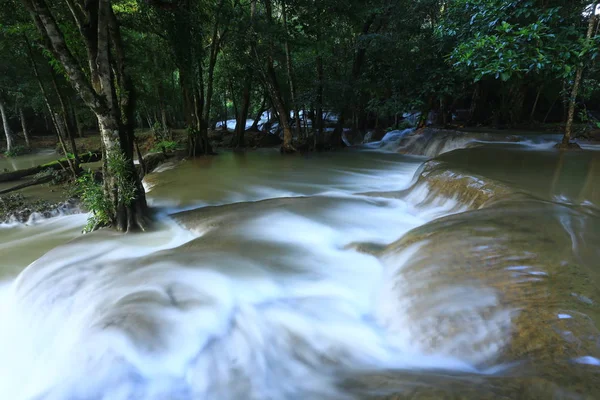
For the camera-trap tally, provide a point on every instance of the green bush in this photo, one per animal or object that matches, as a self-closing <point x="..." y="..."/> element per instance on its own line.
<point x="165" y="145"/>
<point x="89" y="190"/>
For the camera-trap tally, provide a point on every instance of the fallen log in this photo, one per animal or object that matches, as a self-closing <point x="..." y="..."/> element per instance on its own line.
<point x="39" y="181"/>
<point x="54" y="165"/>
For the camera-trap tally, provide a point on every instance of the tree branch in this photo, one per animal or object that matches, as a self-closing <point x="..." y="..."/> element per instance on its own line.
<point x="49" y="30"/>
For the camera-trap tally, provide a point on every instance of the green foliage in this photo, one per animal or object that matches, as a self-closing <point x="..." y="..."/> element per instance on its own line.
<point x="123" y="177"/>
<point x="90" y="191"/>
<point x="17" y="151"/>
<point x="507" y="40"/>
<point x="165" y="146"/>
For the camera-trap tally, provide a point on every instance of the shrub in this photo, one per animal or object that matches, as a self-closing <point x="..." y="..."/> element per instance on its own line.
<point x="165" y="145"/>
<point x="89" y="190"/>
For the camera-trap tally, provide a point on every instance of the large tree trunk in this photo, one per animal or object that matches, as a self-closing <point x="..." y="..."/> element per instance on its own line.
<point x="24" y="127"/>
<point x="97" y="25"/>
<point x="7" y="131"/>
<point x="578" y="75"/>
<point x="121" y="182"/>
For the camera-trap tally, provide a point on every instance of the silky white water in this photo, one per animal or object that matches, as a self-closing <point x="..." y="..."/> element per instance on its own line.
<point x="267" y="302"/>
<point x="284" y="298"/>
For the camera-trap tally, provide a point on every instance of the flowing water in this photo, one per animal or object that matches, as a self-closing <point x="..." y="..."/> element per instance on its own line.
<point x="28" y="160"/>
<point x="361" y="274"/>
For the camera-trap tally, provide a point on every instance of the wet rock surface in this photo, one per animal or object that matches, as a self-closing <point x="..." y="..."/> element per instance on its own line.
<point x="16" y="208"/>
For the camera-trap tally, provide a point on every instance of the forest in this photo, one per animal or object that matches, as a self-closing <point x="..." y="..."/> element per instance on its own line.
<point x="326" y="72"/>
<point x="299" y="199"/>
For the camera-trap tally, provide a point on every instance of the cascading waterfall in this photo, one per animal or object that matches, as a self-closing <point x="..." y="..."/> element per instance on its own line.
<point x="304" y="288"/>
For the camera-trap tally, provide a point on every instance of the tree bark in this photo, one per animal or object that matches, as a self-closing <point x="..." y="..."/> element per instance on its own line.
<point x="258" y="117"/>
<point x="578" y="75"/>
<point x="99" y="93"/>
<point x="240" y="125"/>
<point x="270" y="78"/>
<point x="215" y="48"/>
<point x="53" y="115"/>
<point x="349" y="104"/>
<point x="7" y="131"/>
<point x="64" y="123"/>
<point x="319" y="139"/>
<point x="24" y="127"/>
<point x="290" y="70"/>
<point x="571" y="110"/>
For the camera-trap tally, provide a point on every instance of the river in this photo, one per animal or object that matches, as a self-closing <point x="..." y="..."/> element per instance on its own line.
<point x="466" y="267"/>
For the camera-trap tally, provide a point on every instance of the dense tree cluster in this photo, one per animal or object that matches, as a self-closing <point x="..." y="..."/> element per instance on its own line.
<point x="113" y="65"/>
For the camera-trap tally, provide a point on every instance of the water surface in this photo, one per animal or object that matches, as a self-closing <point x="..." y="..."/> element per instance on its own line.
<point x="356" y="274"/>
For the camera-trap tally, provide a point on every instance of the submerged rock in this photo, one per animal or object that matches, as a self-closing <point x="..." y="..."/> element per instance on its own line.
<point x="497" y="284"/>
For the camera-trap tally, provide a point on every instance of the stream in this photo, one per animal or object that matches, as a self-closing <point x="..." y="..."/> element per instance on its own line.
<point x="434" y="267"/>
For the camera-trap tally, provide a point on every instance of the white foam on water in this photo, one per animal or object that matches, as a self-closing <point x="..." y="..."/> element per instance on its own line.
<point x="588" y="360"/>
<point x="269" y="305"/>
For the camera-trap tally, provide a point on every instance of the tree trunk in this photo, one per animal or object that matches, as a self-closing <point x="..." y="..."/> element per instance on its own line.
<point x="76" y="119"/>
<point x="258" y="117"/>
<point x="571" y="111"/>
<point x="74" y="167"/>
<point x="61" y="132"/>
<point x="578" y="75"/>
<point x="64" y="123"/>
<point x="7" y="132"/>
<point x="350" y="98"/>
<point x="290" y="71"/>
<point x="214" y="53"/>
<point x="240" y="126"/>
<point x="24" y="127"/>
<point x="319" y="138"/>
<point x="272" y="84"/>
<point x="120" y="177"/>
<point x="535" y="104"/>
<point x="99" y="33"/>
